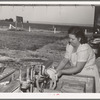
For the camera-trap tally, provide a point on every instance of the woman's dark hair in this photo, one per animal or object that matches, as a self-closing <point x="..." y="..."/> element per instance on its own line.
<point x="79" y="33"/>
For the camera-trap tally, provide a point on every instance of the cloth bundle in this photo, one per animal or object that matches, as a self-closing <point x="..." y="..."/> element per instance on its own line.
<point x="51" y="72"/>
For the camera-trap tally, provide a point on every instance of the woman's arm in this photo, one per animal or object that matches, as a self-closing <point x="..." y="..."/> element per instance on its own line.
<point x="62" y="64"/>
<point x="83" y="54"/>
<point x="72" y="70"/>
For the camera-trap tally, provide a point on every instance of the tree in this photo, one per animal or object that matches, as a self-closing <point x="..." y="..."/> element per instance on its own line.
<point x="6" y="20"/>
<point x="9" y="20"/>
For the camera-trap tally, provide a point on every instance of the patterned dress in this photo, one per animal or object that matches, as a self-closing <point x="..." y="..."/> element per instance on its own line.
<point x="86" y="54"/>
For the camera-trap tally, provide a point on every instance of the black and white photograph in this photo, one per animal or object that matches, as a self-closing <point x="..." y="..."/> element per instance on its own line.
<point x="49" y="48"/>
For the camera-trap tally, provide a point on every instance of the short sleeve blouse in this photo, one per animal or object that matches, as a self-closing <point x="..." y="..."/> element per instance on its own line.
<point x="84" y="53"/>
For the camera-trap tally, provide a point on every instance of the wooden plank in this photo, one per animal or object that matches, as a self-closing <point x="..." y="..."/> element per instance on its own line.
<point x="72" y="86"/>
<point x="68" y="89"/>
<point x="11" y="87"/>
<point x="7" y="72"/>
<point x="46" y="91"/>
<point x="87" y="80"/>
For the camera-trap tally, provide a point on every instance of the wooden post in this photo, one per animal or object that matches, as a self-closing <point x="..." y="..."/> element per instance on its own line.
<point x="54" y="29"/>
<point x="85" y="31"/>
<point x="29" y="29"/>
<point x="16" y="24"/>
<point x="28" y="74"/>
<point x="31" y="85"/>
<point x="20" y="79"/>
<point x="10" y="26"/>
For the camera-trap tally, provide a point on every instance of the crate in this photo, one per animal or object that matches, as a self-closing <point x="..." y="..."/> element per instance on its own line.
<point x="76" y="84"/>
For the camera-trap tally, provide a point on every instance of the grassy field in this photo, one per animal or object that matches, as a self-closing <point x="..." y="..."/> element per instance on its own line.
<point x="23" y="44"/>
<point x="24" y="40"/>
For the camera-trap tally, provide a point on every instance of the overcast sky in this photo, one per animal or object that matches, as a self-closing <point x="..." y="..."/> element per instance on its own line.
<point x="51" y="14"/>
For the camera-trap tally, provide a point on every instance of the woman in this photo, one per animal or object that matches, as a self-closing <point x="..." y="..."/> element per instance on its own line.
<point x="79" y="57"/>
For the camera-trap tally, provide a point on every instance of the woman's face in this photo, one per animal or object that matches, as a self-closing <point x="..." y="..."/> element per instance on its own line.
<point x="74" y="41"/>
